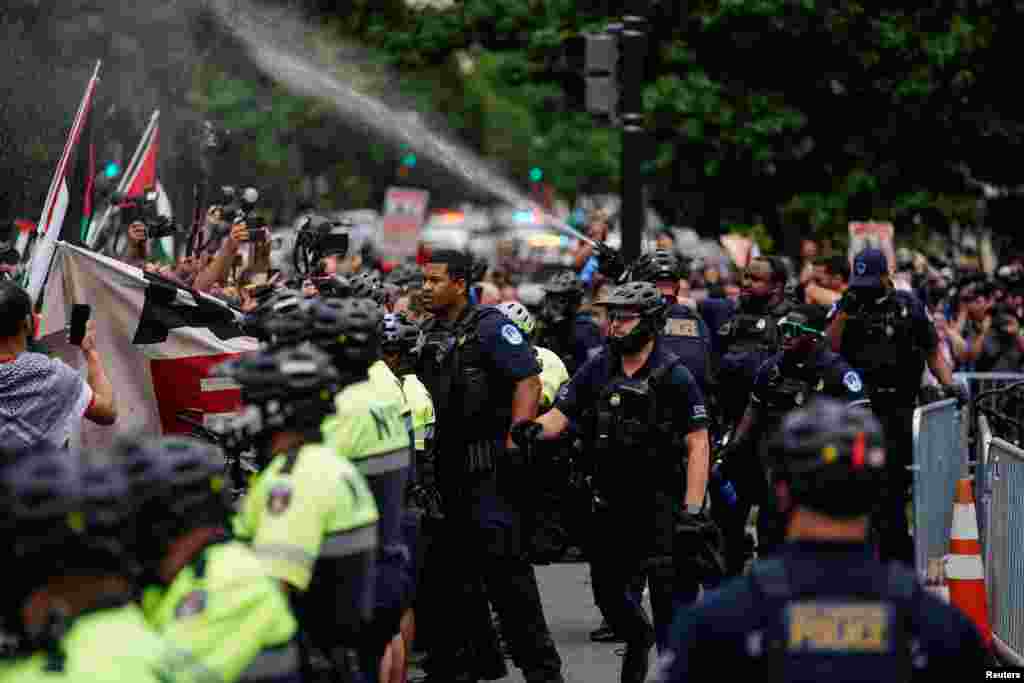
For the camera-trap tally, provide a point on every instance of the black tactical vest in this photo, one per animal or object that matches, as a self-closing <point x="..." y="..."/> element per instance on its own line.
<point x="471" y="406"/>
<point x="639" y="462"/>
<point x="880" y="343"/>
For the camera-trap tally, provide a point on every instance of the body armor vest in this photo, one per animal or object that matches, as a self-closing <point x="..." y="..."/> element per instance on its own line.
<point x="785" y="393"/>
<point x="471" y="415"/>
<point x="638" y="459"/>
<point x="880" y="342"/>
<point x="864" y="637"/>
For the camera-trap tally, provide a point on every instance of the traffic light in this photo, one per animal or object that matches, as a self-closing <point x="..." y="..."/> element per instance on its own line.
<point x="409" y="160"/>
<point x="601" y="73"/>
<point x="111" y="170"/>
<point x="536" y="174"/>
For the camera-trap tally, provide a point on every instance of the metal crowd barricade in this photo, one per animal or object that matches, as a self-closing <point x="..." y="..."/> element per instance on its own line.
<point x="978" y="385"/>
<point x="1004" y="550"/>
<point x="983" y="478"/>
<point x="939" y="460"/>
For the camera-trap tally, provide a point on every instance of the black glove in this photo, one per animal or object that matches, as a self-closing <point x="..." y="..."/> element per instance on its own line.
<point x="526" y="432"/>
<point x="957" y="391"/>
<point x="609" y="261"/>
<point x="699" y="543"/>
<point x="848" y="303"/>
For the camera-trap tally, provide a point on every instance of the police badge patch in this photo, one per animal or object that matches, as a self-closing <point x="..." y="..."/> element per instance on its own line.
<point x="511" y="334"/>
<point x="191" y="604"/>
<point x="852" y="381"/>
<point x="279" y="498"/>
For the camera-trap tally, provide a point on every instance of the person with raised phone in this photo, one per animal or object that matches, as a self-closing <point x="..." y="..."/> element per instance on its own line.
<point x="42" y="398"/>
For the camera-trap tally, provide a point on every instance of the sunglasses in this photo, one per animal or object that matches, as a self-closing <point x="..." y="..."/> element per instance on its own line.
<point x="622" y="316"/>
<point x="790" y="329"/>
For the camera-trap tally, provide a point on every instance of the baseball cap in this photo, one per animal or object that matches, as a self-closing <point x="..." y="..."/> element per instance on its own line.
<point x="868" y="268"/>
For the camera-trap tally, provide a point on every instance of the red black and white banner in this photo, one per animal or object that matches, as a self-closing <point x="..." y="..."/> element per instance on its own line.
<point x="158" y="342"/>
<point x="60" y="197"/>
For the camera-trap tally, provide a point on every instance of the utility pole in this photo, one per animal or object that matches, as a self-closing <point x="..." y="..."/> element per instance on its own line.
<point x="633" y="218"/>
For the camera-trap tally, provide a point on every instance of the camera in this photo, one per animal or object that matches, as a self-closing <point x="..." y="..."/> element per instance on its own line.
<point x="146" y="211"/>
<point x="319" y="237"/>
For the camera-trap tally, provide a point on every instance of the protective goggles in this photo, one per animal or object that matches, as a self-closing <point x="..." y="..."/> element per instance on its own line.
<point x="790" y="329"/>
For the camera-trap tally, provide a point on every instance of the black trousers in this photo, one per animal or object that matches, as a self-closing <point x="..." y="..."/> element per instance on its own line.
<point x="485" y="560"/>
<point x="623" y="572"/>
<point x="895" y="542"/>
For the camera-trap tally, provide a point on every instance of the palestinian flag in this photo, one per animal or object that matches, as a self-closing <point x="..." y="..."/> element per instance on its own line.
<point x="139" y="178"/>
<point x="158" y="340"/>
<point x="68" y="191"/>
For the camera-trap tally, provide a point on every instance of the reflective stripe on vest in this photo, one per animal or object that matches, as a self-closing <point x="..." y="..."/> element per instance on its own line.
<point x="273" y="663"/>
<point x="288" y="553"/>
<point x="350" y="542"/>
<point x="382" y="463"/>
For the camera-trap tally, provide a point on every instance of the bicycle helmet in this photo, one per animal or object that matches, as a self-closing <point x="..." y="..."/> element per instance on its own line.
<point x="520" y="315"/>
<point x="289" y="389"/>
<point x="177" y="484"/>
<point x="655" y="266"/>
<point x="398" y="335"/>
<point x="645" y="298"/>
<point x="563" y="294"/>
<point x="831" y="455"/>
<point x="349" y="330"/>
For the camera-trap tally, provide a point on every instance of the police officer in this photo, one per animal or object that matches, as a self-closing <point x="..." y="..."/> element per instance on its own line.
<point x="482" y="374"/>
<point x="308" y="514"/>
<point x="572" y="335"/>
<point x="750" y="336"/>
<point x="549" y="533"/>
<point x="646" y="426"/>
<point x="205" y="592"/>
<point x="68" y="600"/>
<point x="371" y="428"/>
<point x="823" y="609"/>
<point x="887" y="335"/>
<point x="398" y="340"/>
<point x="803" y="369"/>
<point x="685" y="333"/>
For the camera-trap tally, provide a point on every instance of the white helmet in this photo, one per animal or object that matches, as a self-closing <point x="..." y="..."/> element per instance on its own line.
<point x="518" y="313"/>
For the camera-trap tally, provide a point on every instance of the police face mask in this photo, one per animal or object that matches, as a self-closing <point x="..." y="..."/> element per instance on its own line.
<point x="556" y="309"/>
<point x="635" y="339"/>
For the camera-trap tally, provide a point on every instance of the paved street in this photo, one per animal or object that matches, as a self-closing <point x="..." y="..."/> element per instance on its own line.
<point x="569" y="606"/>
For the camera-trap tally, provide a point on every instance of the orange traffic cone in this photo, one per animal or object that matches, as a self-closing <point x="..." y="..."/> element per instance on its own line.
<point x="965" y="573"/>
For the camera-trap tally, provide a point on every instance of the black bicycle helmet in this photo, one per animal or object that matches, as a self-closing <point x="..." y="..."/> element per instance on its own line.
<point x="291" y="389"/>
<point x="366" y="285"/>
<point x="832" y="456"/>
<point x="398" y="335"/>
<point x="643" y="296"/>
<point x="349" y="330"/>
<point x="655" y="266"/>
<point x="177" y="484"/>
<point x="406" y="276"/>
<point x="565" y="282"/>
<point x="280" y="302"/>
<point x="60" y="516"/>
<point x="648" y="301"/>
<point x="333" y="286"/>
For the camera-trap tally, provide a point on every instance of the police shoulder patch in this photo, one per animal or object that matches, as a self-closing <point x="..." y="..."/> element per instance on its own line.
<point x="511" y="334"/>
<point x="191" y="604"/>
<point x="279" y="498"/>
<point x="852" y="381"/>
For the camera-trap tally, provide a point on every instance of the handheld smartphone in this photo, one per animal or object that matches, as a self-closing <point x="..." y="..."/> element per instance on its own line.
<point x="79" y="318"/>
